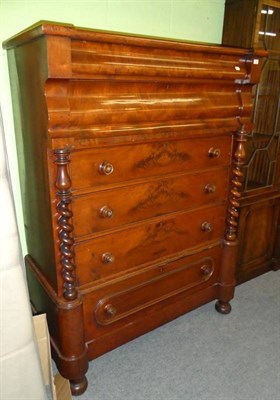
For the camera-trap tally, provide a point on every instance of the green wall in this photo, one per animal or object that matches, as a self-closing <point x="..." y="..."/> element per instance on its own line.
<point x="196" y="20"/>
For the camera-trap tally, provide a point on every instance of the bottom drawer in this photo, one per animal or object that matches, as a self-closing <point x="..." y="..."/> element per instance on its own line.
<point x="124" y="301"/>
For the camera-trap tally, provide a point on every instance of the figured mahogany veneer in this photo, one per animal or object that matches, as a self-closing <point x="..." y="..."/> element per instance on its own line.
<point x="146" y="160"/>
<point x="147" y="242"/>
<point x="109" y="208"/>
<point x="131" y="151"/>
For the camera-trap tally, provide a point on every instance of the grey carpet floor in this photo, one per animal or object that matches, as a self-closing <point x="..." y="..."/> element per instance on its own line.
<point x="202" y="355"/>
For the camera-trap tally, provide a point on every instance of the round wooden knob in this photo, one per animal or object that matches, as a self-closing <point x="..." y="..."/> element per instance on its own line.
<point x="107" y="258"/>
<point x="206" y="227"/>
<point x="105" y="168"/>
<point x="110" y="310"/>
<point x="214" y="153"/>
<point x="205" y="269"/>
<point x="106" y="212"/>
<point x="210" y="188"/>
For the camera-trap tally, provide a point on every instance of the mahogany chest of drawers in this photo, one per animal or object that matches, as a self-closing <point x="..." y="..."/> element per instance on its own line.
<point x="130" y="152"/>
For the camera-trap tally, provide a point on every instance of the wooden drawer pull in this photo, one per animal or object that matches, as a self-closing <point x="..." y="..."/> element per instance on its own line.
<point x="206" y="227"/>
<point x="110" y="310"/>
<point x="206" y="269"/>
<point x="107" y="258"/>
<point x="106" y="212"/>
<point x="105" y="168"/>
<point x="210" y="188"/>
<point x="214" y="153"/>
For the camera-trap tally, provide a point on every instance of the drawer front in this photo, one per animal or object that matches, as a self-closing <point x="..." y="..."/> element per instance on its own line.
<point x="111" y="208"/>
<point x="126" y="299"/>
<point x="95" y="167"/>
<point x="117" y="252"/>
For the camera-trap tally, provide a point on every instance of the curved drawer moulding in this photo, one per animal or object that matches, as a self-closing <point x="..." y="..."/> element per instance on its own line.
<point x="122" y="304"/>
<point x="91" y="59"/>
<point x="81" y="104"/>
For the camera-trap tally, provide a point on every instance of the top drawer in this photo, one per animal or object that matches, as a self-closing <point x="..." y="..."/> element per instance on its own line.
<point x="102" y="166"/>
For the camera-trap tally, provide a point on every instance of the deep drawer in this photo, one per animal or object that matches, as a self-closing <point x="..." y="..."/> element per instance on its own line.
<point x="115" y="253"/>
<point x="160" y="283"/>
<point x="102" y="166"/>
<point x="111" y="208"/>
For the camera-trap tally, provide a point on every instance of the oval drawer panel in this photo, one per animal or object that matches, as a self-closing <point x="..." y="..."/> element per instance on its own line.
<point x="103" y="166"/>
<point x="120" y="305"/>
<point x="105" y="307"/>
<point x="111" y="254"/>
<point x="112" y="208"/>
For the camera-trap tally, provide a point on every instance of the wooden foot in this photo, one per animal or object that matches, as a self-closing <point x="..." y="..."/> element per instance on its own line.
<point x="223" y="307"/>
<point x="78" y="386"/>
<point x="275" y="264"/>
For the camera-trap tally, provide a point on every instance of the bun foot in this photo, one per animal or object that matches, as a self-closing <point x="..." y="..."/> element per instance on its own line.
<point x="78" y="386"/>
<point x="223" y="307"/>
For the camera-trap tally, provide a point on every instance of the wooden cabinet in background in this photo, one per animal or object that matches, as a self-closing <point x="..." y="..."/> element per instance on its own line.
<point x="256" y="24"/>
<point x="130" y="152"/>
<point x="259" y="219"/>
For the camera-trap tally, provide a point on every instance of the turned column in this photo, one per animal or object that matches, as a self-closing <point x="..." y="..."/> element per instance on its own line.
<point x="72" y="354"/>
<point x="230" y="242"/>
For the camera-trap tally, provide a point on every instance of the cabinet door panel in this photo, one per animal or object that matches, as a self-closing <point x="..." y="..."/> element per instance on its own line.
<point x="255" y="24"/>
<point x="258" y="225"/>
